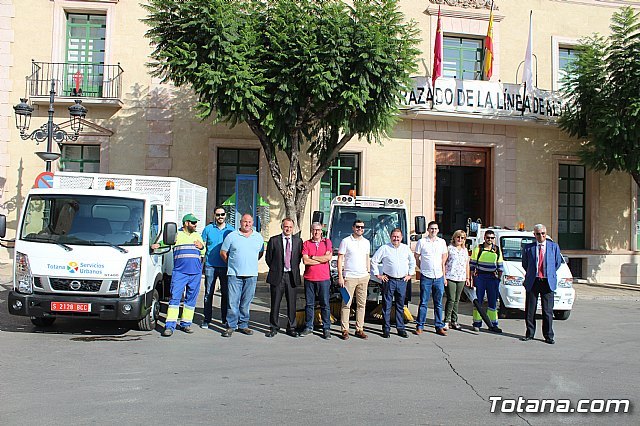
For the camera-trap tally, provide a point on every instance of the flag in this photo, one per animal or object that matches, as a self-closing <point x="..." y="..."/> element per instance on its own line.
<point x="527" y="73"/>
<point x="488" y="48"/>
<point x="437" y="53"/>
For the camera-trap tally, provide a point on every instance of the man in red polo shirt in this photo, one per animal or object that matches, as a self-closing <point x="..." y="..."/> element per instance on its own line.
<point x="316" y="254"/>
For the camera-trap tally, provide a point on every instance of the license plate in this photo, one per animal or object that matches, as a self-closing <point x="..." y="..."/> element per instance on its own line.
<point x="70" y="307"/>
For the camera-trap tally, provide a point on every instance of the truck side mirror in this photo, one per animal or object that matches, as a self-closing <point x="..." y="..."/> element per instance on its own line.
<point x="169" y="233"/>
<point x="421" y="225"/>
<point x="3" y="225"/>
<point x="317" y="216"/>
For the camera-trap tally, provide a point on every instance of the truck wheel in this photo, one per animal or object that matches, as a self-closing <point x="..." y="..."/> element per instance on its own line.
<point x="561" y="315"/>
<point x="42" y="322"/>
<point x="148" y="323"/>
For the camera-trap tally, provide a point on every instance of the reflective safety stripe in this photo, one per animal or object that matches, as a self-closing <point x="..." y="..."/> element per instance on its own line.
<point x="184" y="256"/>
<point x="493" y="316"/>
<point x="187" y="314"/>
<point x="476" y="316"/>
<point x="172" y="313"/>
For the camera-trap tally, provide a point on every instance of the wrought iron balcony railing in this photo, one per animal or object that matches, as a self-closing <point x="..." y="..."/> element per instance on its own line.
<point x="88" y="80"/>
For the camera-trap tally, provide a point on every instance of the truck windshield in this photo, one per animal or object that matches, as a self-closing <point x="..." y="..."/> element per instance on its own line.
<point x="512" y="246"/>
<point x="378" y="224"/>
<point x="83" y="220"/>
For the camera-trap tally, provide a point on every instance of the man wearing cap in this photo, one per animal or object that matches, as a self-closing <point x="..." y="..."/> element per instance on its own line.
<point x="214" y="267"/>
<point x="187" y="272"/>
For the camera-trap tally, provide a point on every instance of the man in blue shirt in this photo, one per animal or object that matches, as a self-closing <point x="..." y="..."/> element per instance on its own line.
<point x="215" y="268"/>
<point x="241" y="250"/>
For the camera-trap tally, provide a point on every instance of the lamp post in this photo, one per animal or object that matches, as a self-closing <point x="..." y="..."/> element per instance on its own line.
<point x="49" y="131"/>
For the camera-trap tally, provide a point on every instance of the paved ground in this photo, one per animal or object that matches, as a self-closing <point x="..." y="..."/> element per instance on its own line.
<point x="102" y="372"/>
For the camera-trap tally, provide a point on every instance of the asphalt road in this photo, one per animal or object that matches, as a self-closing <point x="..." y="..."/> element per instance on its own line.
<point x="104" y="373"/>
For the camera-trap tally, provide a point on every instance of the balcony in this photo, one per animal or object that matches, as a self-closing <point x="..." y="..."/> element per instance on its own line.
<point x="96" y="84"/>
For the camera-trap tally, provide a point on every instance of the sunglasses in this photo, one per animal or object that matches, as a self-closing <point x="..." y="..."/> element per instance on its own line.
<point x="192" y="222"/>
<point x="462" y="237"/>
<point x="359" y="226"/>
<point x="489" y="238"/>
<point x="221" y="214"/>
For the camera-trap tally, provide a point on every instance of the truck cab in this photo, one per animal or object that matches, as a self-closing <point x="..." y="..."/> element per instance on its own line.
<point x="512" y="292"/>
<point x="380" y="216"/>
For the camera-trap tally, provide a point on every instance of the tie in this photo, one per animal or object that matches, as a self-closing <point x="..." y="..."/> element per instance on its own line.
<point x="540" y="261"/>
<point x="287" y="254"/>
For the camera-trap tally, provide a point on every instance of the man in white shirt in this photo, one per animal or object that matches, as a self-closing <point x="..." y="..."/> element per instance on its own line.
<point x="431" y="256"/>
<point x="353" y="275"/>
<point x="398" y="265"/>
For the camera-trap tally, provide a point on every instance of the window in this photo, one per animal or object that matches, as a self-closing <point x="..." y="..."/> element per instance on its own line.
<point x="566" y="56"/>
<point x="462" y="58"/>
<point x="571" y="206"/>
<point x="341" y="177"/>
<point x="85" y="58"/>
<point x="80" y="158"/>
<point x="232" y="162"/>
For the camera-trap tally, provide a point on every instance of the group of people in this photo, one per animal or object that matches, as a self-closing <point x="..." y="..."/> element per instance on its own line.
<point x="231" y="257"/>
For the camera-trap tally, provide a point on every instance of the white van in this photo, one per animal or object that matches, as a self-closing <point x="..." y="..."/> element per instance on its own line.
<point x="512" y="291"/>
<point x="82" y="251"/>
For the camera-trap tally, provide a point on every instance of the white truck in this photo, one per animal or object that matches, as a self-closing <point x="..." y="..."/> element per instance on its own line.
<point x="83" y="251"/>
<point x="512" y="292"/>
<point x="380" y="216"/>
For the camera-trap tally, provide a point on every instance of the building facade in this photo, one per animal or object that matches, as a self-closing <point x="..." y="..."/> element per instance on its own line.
<point x="470" y="153"/>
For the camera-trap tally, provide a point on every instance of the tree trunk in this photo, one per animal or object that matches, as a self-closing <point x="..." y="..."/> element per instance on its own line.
<point x="636" y="177"/>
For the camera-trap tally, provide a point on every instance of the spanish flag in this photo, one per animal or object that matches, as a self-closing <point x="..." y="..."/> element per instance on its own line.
<point x="437" y="53"/>
<point x="488" y="48"/>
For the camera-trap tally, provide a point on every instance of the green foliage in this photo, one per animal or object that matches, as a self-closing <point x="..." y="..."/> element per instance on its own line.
<point x="603" y="97"/>
<point x="301" y="73"/>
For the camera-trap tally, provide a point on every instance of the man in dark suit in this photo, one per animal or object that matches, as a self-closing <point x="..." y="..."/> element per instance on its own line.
<point x="540" y="261"/>
<point x="284" y="252"/>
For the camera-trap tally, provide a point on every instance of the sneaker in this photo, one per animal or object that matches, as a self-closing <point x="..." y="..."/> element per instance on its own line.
<point x="246" y="331"/>
<point x="476" y="329"/>
<point x="326" y="334"/>
<point x="204" y="325"/>
<point x="167" y="332"/>
<point x="445" y="328"/>
<point x="228" y="332"/>
<point x="306" y="332"/>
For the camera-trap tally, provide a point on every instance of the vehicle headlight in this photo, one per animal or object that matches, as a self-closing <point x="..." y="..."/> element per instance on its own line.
<point x="23" y="276"/>
<point x="130" y="280"/>
<point x="513" y="280"/>
<point x="565" y="282"/>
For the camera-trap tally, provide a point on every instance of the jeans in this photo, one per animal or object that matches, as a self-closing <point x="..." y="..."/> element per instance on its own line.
<point x="210" y="275"/>
<point x="320" y="288"/>
<point x="241" y="292"/>
<point x="428" y="287"/>
<point x="397" y="287"/>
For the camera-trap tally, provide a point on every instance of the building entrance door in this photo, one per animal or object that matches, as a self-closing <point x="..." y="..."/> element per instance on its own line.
<point x="462" y="179"/>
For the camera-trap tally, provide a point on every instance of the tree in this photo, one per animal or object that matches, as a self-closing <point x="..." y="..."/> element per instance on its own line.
<point x="306" y="76"/>
<point x="602" y="92"/>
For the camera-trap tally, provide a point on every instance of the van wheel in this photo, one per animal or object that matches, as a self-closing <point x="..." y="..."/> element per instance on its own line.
<point x="148" y="323"/>
<point x="42" y="322"/>
<point x="561" y="315"/>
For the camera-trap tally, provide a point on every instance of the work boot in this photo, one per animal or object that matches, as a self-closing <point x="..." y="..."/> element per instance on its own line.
<point x="167" y="332"/>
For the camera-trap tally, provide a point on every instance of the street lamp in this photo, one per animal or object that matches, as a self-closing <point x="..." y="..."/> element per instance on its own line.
<point x="49" y="131"/>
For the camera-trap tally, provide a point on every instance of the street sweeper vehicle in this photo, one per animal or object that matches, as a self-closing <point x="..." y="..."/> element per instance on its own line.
<point x="381" y="216"/>
<point x="82" y="248"/>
